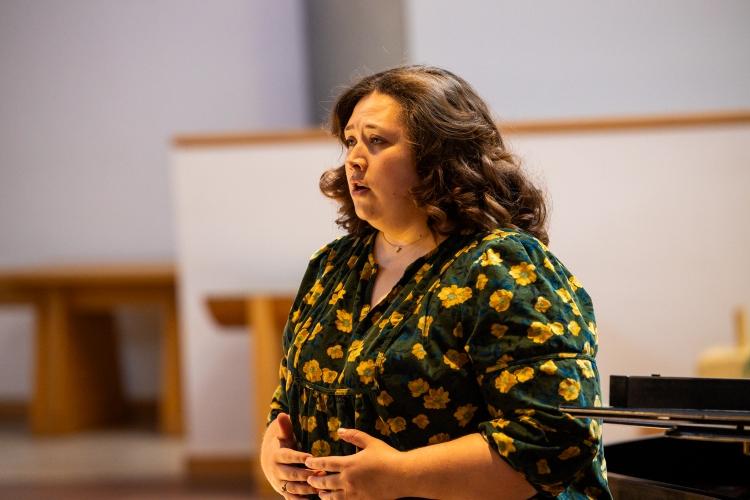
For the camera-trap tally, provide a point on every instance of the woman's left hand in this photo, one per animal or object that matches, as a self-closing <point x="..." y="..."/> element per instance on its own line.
<point x="373" y="473"/>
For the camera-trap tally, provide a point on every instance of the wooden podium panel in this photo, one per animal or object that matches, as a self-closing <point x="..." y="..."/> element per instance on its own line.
<point x="77" y="381"/>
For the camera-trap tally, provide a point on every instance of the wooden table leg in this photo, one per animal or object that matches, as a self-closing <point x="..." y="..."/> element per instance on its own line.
<point x="267" y="316"/>
<point x="170" y="406"/>
<point x="77" y="381"/>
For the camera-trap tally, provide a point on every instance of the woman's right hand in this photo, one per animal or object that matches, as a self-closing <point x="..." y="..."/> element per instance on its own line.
<point x="282" y="464"/>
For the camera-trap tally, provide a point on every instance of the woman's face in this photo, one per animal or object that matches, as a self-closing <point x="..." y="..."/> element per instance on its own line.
<point x="380" y="165"/>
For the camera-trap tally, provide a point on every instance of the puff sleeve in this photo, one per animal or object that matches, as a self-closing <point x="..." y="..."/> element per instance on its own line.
<point x="531" y="341"/>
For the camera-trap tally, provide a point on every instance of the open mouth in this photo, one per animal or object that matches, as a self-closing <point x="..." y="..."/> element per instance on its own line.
<point x="358" y="188"/>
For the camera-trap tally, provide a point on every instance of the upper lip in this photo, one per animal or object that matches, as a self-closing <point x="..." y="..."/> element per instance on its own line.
<point x="356" y="184"/>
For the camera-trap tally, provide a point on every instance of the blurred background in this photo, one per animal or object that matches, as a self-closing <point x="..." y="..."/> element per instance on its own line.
<point x="182" y="138"/>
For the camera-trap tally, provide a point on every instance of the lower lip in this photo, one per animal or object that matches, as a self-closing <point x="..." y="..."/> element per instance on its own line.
<point x="360" y="192"/>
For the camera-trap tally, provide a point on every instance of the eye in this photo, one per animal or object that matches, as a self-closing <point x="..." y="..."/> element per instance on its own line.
<point x="350" y="142"/>
<point x="376" y="140"/>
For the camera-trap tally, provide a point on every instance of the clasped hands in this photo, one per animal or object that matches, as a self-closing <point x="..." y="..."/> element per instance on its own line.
<point x="372" y="473"/>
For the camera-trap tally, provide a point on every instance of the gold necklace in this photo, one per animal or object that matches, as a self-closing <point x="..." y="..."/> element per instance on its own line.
<point x="401" y="247"/>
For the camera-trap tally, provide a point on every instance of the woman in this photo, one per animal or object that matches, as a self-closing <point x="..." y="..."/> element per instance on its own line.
<point x="429" y="349"/>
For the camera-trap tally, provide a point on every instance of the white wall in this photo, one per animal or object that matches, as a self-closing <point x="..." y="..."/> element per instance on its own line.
<point x="248" y="220"/>
<point x="548" y="59"/>
<point x="91" y="93"/>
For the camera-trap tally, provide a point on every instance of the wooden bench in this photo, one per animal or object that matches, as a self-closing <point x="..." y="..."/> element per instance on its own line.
<point x="77" y="383"/>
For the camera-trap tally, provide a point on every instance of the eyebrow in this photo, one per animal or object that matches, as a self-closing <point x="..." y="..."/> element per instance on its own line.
<point x="369" y="125"/>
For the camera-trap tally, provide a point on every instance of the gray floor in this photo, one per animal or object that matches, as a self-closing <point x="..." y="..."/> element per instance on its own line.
<point x="110" y="465"/>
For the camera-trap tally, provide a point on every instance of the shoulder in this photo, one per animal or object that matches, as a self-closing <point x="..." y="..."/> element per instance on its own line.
<point x="503" y="246"/>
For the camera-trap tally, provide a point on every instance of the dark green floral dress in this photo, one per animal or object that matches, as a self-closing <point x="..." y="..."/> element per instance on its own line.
<point x="487" y="333"/>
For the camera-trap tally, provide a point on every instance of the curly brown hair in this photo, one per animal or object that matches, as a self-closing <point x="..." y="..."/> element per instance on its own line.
<point x="469" y="180"/>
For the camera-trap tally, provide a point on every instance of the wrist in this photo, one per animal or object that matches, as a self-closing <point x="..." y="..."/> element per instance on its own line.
<point x="407" y="475"/>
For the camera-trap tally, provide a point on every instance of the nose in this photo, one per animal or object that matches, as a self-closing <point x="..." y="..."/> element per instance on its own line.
<point x="355" y="158"/>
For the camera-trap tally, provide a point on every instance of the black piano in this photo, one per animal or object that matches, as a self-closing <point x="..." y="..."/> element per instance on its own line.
<point x="704" y="451"/>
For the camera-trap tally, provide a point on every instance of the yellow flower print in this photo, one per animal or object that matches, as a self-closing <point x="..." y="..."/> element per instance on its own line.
<point x="500" y="423"/>
<point x="570" y="452"/>
<point x="312" y="371"/>
<point x="574" y="283"/>
<point x="490" y="258"/>
<point x="436" y="399"/>
<point x="308" y="423"/>
<point x="542" y="468"/>
<point x="366" y="272"/>
<point x="382" y="427"/>
<point x="494" y="412"/>
<point x="455" y="359"/>
<point x="539" y="333"/>
<point x="379" y="360"/>
<point x="383" y="323"/>
<point x="424" y="324"/>
<point x="314" y="293"/>
<point x="421" y="421"/>
<point x="335" y="352"/>
<point x="351" y="262"/>
<point x="500" y="300"/>
<point x="318" y="328"/>
<point x="333" y="426"/>
<point x="548" y="264"/>
<point x="295" y="315"/>
<point x="548" y="367"/>
<point x="481" y="282"/>
<point x="397" y="424"/>
<point x="453" y="295"/>
<point x="329" y="376"/>
<point x="586" y="369"/>
<point x="344" y="321"/>
<point x="501" y="363"/>
<point x="421" y="272"/>
<point x="364" y="311"/>
<point x="595" y="430"/>
<point x="553" y="489"/>
<point x="535" y="424"/>
<point x="498" y="330"/>
<point x="505" y="381"/>
<point x="418" y="351"/>
<point x="396" y="318"/>
<point x="542" y="304"/>
<point x="355" y="349"/>
<point x="587" y="349"/>
<point x="523" y="273"/>
<point x="557" y="328"/>
<point x="384" y="399"/>
<point x="464" y="414"/>
<point x="338" y="293"/>
<point x="320" y="448"/>
<point x="439" y="438"/>
<point x="574" y="328"/>
<point x="569" y="389"/>
<point x="564" y="295"/>
<point x="328" y="269"/>
<point x="504" y="443"/>
<point x="366" y="371"/>
<point x="574" y="308"/>
<point x="597" y="401"/>
<point x="458" y="331"/>
<point x="418" y="387"/>
<point x="524" y="374"/>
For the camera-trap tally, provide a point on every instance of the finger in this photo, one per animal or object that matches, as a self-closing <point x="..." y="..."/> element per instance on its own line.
<point x="285" y="427"/>
<point x="300" y="488"/>
<point x="328" y="464"/>
<point x="291" y="473"/>
<point x="332" y="495"/>
<point x="356" y="437"/>
<point x="326" y="482"/>
<point x="290" y="456"/>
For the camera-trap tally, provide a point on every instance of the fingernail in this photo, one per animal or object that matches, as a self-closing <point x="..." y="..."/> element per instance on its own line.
<point x="307" y="462"/>
<point x="341" y="430"/>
